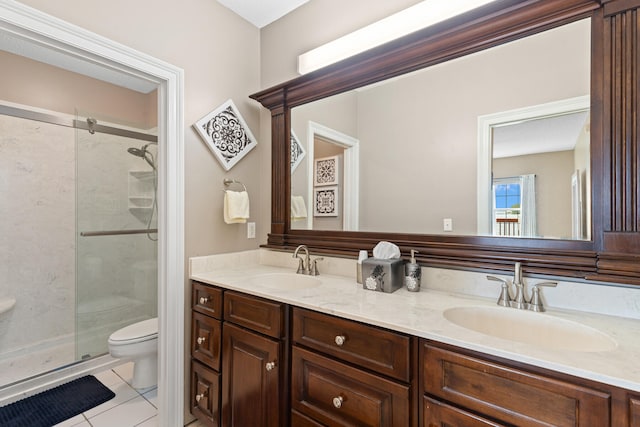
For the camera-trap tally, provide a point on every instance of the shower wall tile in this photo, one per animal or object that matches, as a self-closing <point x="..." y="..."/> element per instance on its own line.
<point x="37" y="232"/>
<point x="40" y="265"/>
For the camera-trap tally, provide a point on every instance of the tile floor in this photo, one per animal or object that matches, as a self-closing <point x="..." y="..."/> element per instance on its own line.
<point x="129" y="408"/>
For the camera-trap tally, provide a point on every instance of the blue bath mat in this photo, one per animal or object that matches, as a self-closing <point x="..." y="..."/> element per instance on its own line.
<point x="56" y="405"/>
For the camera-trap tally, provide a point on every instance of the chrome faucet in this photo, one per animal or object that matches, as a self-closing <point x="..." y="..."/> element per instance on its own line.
<point x="536" y="301"/>
<point x="305" y="265"/>
<point x="520" y="300"/>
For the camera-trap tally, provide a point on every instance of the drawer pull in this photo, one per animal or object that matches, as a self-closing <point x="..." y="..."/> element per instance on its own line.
<point x="200" y="396"/>
<point x="337" y="402"/>
<point x="340" y="339"/>
<point x="270" y="365"/>
<point x="204" y="300"/>
<point x="201" y="340"/>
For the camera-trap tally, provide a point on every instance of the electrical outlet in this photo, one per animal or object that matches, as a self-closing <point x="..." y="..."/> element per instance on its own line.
<point x="251" y="230"/>
<point x="447" y="224"/>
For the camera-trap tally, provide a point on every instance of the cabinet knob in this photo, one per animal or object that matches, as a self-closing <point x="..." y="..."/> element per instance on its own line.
<point x="200" y="396"/>
<point x="340" y="339"/>
<point x="337" y="402"/>
<point x="201" y="340"/>
<point x="204" y="300"/>
<point x="270" y="365"/>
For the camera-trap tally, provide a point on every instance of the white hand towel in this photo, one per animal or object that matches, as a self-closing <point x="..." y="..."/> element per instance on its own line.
<point x="298" y="208"/>
<point x="236" y="207"/>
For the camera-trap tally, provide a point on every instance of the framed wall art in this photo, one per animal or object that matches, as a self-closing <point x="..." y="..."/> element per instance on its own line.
<point x="325" y="201"/>
<point x="326" y="171"/>
<point x="227" y="134"/>
<point x="297" y="151"/>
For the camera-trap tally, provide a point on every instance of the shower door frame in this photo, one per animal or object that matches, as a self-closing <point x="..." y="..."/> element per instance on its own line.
<point x="43" y="30"/>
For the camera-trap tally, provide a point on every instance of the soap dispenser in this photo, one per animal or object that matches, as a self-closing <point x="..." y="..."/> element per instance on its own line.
<point x="413" y="273"/>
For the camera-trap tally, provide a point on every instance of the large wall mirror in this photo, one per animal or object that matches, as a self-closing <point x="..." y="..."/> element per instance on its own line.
<point x="480" y="141"/>
<point x="423" y="164"/>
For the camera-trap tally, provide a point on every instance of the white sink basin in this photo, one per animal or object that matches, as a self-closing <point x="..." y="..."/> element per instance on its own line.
<point x="285" y="281"/>
<point x="532" y="328"/>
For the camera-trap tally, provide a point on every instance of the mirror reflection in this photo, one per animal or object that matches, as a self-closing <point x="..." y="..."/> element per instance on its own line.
<point x="412" y="155"/>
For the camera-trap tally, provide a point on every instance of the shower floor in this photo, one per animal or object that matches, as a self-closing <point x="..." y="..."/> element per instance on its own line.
<point x="23" y="364"/>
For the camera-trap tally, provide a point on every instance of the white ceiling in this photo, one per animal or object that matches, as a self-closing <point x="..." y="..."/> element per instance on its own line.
<point x="558" y="133"/>
<point x="262" y="12"/>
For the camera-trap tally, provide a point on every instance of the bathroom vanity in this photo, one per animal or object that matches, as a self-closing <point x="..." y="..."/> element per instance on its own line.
<point x="330" y="353"/>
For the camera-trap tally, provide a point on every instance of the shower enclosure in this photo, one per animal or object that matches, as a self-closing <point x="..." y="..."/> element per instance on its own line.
<point x="78" y="251"/>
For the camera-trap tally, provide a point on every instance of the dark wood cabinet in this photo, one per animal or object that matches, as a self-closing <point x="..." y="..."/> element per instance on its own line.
<point x="379" y="350"/>
<point x="345" y="373"/>
<point x="506" y="393"/>
<point x="439" y="414"/>
<point x="251" y="367"/>
<point x="239" y="364"/>
<point x="634" y="411"/>
<point x="336" y="394"/>
<point x="205" y="394"/>
<point x="258" y="362"/>
<point x="206" y="332"/>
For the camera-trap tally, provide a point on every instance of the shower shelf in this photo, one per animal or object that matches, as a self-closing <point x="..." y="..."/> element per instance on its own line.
<point x="141" y="186"/>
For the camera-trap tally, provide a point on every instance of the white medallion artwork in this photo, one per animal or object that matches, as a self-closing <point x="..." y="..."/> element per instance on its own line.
<point x="227" y="134"/>
<point x="326" y="171"/>
<point x="297" y="151"/>
<point x="325" y="201"/>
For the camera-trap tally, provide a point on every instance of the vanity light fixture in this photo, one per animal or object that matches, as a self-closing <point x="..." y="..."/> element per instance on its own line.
<point x="417" y="17"/>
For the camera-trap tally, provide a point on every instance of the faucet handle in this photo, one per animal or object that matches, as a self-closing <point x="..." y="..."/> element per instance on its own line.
<point x="536" y="303"/>
<point x="505" y="298"/>
<point x="300" y="266"/>
<point x="315" y="271"/>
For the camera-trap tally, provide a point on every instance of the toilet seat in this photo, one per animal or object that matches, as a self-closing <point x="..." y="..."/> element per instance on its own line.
<point x="138" y="332"/>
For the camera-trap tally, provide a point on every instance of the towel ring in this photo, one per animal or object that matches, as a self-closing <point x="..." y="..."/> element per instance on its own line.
<point x="227" y="182"/>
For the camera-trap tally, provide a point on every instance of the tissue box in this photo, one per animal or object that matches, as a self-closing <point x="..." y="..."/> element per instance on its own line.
<point x="383" y="275"/>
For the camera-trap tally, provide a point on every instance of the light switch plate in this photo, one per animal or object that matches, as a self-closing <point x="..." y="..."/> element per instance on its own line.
<point x="251" y="230"/>
<point x="447" y="224"/>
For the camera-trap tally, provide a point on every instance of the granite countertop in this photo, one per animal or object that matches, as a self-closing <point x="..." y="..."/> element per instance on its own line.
<point x="421" y="314"/>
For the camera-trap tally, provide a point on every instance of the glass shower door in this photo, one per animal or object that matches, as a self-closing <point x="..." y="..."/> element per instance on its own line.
<point x="116" y="256"/>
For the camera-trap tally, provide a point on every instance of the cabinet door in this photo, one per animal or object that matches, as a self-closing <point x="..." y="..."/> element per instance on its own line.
<point x="335" y="394"/>
<point x="250" y="379"/>
<point x="439" y="414"/>
<point x="509" y="394"/>
<point x="205" y="394"/>
<point x="205" y="340"/>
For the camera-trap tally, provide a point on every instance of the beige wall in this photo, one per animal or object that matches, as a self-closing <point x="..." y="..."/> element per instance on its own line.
<point x="553" y="187"/>
<point x="220" y="54"/>
<point x="31" y="83"/>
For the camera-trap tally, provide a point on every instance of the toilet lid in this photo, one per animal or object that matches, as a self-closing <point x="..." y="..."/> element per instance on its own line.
<point x="138" y="331"/>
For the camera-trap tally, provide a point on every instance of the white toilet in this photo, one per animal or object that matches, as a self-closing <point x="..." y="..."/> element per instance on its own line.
<point x="138" y="343"/>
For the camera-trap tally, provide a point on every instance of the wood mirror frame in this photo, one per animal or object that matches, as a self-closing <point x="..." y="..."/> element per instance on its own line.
<point x="613" y="254"/>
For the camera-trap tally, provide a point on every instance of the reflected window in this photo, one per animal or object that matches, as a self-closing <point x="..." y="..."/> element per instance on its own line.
<point x="514" y="206"/>
<point x="506" y="206"/>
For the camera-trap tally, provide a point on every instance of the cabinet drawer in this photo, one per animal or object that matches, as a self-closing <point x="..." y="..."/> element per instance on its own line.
<point x="380" y="350"/>
<point x="299" y="420"/>
<point x="205" y="340"/>
<point x="205" y="394"/>
<point x="260" y="315"/>
<point x="439" y="414"/>
<point x="206" y="300"/>
<point x="509" y="394"/>
<point x="333" y="393"/>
